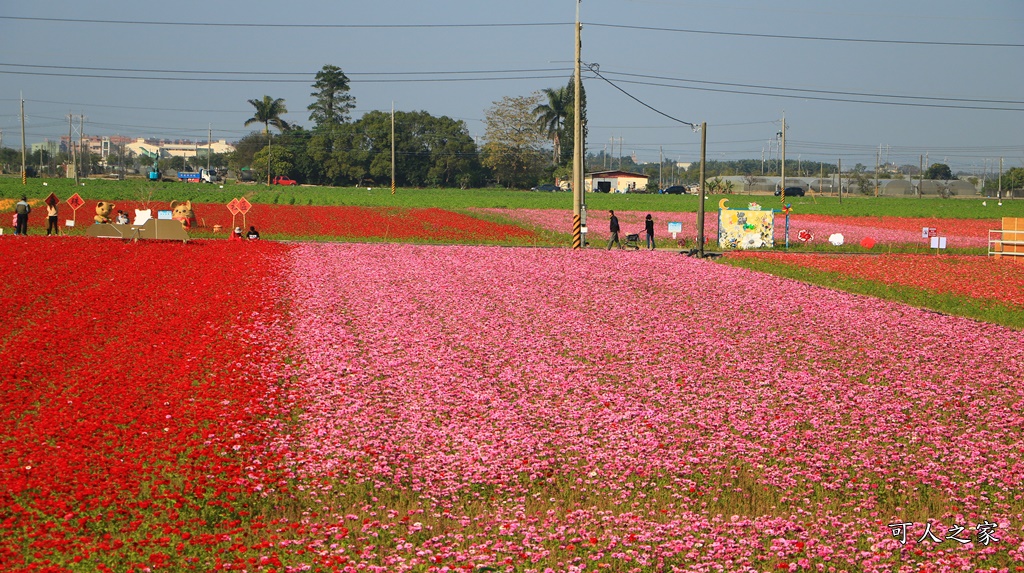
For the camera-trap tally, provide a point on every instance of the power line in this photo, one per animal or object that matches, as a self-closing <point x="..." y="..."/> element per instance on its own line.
<point x="301" y="74"/>
<point x="512" y="25"/>
<point x="275" y="81"/>
<point x="814" y="38"/>
<point x="831" y="92"/>
<point x="281" y="25"/>
<point x="821" y="98"/>
<point x="594" y="69"/>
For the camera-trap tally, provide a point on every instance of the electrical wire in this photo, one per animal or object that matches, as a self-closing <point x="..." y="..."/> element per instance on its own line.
<point x="805" y="38"/>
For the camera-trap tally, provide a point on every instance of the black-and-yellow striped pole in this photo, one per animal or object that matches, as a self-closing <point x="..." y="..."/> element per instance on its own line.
<point x="577" y="241"/>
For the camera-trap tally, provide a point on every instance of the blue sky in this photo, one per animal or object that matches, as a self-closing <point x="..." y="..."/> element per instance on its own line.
<point x="738" y="65"/>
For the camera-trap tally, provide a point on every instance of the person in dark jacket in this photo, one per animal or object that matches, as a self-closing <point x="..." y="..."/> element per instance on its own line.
<point x="613" y="226"/>
<point x="21" y="210"/>
<point x="649" y="228"/>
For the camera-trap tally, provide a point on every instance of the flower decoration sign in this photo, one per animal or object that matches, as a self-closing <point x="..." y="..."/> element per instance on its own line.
<point x="746" y="228"/>
<point x="244" y="206"/>
<point x="76" y="201"/>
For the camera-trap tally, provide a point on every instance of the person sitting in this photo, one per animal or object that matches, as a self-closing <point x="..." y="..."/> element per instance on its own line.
<point x="253" y="233"/>
<point x="236" y="235"/>
<point x="122" y="218"/>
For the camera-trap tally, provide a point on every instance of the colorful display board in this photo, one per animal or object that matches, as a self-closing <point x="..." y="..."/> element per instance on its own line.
<point x="746" y="228"/>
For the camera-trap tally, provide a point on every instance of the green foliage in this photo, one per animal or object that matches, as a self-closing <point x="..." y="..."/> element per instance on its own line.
<point x="269" y="112"/>
<point x="551" y="115"/>
<point x="277" y="158"/>
<point x="246" y="149"/>
<point x="939" y="171"/>
<point x="1012" y="183"/>
<point x="513" y="150"/>
<point x="568" y="134"/>
<point x="332" y="101"/>
<point x="454" y="198"/>
<point x="429" y="151"/>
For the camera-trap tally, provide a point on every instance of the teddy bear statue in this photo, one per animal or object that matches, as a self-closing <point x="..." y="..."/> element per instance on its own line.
<point x="103" y="210"/>
<point x="183" y="212"/>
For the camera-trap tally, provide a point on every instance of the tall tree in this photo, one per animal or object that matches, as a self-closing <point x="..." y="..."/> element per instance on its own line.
<point x="513" y="150"/>
<point x="332" y="101"/>
<point x="551" y="115"/>
<point x="939" y="171"/>
<point x="569" y="126"/>
<point x="269" y="112"/>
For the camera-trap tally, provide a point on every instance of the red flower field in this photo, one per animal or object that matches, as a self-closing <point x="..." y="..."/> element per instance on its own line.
<point x="132" y="379"/>
<point x="970" y="276"/>
<point x="345" y="222"/>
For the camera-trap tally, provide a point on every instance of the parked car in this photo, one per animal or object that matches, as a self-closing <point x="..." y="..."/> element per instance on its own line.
<point x="282" y="180"/>
<point x="792" y="192"/>
<point x="675" y="190"/>
<point x="546" y="187"/>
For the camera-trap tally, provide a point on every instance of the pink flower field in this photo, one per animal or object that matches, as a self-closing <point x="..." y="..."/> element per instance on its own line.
<point x="960" y="233"/>
<point x="415" y="408"/>
<point x="545" y="410"/>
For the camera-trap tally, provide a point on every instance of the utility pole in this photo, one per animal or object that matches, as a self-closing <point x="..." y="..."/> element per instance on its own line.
<point x="392" y="148"/>
<point x="577" y="142"/>
<point x="209" y="146"/>
<point x="81" y="144"/>
<point x="998" y="193"/>
<point x="24" y="172"/>
<point x="661" y="167"/>
<point x="877" y="159"/>
<point x="840" y="174"/>
<point x="700" y="202"/>
<point x="71" y="149"/>
<point x="920" y="178"/>
<point x="782" y="194"/>
<point x="270" y="155"/>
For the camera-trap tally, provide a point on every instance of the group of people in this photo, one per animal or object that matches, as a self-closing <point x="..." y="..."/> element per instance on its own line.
<point x="613" y="226"/>
<point x="252" y="235"/>
<point x="21" y="211"/>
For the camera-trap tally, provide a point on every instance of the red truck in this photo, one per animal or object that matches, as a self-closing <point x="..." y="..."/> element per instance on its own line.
<point x="282" y="180"/>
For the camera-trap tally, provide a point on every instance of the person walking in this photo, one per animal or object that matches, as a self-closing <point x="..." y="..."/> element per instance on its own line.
<point x="21" y="210"/>
<point x="613" y="226"/>
<point x="649" y="228"/>
<point x="51" y="219"/>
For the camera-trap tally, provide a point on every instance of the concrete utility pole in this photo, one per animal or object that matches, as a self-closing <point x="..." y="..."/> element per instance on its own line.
<point x="878" y="155"/>
<point x="577" y="142"/>
<point x="24" y="172"/>
<point x="392" y="148"/>
<point x="209" y="145"/>
<point x="71" y="148"/>
<point x="782" y="194"/>
<point x="840" y="170"/>
<point x="700" y="202"/>
<point x="661" y="167"/>
<point x="81" y="143"/>
<point x="920" y="178"/>
<point x="999" y="194"/>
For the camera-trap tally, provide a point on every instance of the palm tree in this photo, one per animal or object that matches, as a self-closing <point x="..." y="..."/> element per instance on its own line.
<point x="550" y="116"/>
<point x="269" y="112"/>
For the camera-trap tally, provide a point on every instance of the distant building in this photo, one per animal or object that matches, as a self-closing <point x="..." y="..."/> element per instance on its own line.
<point x="163" y="149"/>
<point x="614" y="181"/>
